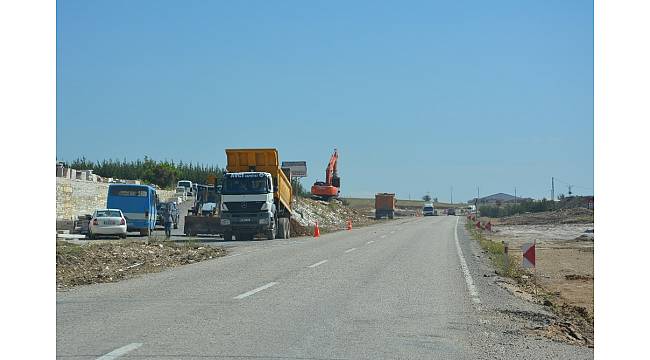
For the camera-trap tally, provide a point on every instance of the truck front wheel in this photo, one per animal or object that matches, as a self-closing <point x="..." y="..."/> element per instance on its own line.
<point x="227" y="236"/>
<point x="274" y="230"/>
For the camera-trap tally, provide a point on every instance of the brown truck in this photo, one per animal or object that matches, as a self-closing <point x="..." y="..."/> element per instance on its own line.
<point x="384" y="205"/>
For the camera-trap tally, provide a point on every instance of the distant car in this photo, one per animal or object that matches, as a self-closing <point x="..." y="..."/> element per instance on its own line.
<point x="163" y="207"/>
<point x="181" y="192"/>
<point x="107" y="222"/>
<point x="451" y="211"/>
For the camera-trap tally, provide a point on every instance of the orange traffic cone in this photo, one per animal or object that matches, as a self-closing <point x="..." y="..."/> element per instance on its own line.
<point x="316" y="230"/>
<point x="349" y="224"/>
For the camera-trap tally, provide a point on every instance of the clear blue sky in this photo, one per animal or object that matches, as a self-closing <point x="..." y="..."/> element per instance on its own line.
<point x="418" y="96"/>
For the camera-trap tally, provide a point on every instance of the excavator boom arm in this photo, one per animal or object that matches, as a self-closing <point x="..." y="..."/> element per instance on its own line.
<point x="331" y="167"/>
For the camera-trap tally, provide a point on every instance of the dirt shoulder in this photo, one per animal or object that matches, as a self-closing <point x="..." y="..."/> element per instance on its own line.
<point x="564" y="274"/>
<point x="113" y="261"/>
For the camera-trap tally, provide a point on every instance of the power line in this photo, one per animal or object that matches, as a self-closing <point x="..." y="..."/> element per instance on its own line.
<point x="572" y="185"/>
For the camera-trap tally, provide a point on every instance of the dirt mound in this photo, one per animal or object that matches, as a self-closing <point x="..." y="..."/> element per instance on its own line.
<point x="578" y="277"/>
<point x="584" y="237"/>
<point x="113" y="261"/>
<point x="298" y="230"/>
<point x="564" y="216"/>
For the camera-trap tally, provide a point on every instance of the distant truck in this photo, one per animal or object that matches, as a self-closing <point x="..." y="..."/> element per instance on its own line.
<point x="384" y="205"/>
<point x="256" y="195"/>
<point x="428" y="210"/>
<point x="188" y="185"/>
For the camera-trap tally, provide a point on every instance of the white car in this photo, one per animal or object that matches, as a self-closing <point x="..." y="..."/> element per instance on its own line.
<point x="107" y="222"/>
<point x="181" y="192"/>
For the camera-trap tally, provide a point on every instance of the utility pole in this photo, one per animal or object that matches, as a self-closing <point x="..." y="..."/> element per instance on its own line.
<point x="452" y="195"/>
<point x="515" y="196"/>
<point x="552" y="189"/>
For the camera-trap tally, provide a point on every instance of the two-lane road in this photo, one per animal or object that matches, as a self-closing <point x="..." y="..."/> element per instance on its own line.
<point x="392" y="291"/>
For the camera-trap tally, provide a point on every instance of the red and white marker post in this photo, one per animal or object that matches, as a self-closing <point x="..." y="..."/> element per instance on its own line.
<point x="529" y="255"/>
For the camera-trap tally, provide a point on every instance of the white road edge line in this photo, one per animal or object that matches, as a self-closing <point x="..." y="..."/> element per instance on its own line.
<point x="119" y="352"/>
<point x="350" y="250"/>
<point x="468" y="277"/>
<point x="318" y="263"/>
<point x="249" y="293"/>
<point x="370" y="242"/>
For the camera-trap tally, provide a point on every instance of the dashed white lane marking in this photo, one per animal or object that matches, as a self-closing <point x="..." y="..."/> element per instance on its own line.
<point x="233" y="255"/>
<point x="249" y="293"/>
<point x="318" y="263"/>
<point x="468" y="277"/>
<point x="120" y="351"/>
<point x="350" y="250"/>
<point x="383" y="236"/>
<point x="370" y="242"/>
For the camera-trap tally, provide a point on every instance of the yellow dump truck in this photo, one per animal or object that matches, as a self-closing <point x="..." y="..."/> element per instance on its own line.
<point x="256" y="195"/>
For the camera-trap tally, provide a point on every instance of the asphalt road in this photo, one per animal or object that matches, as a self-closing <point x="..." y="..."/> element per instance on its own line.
<point x="398" y="290"/>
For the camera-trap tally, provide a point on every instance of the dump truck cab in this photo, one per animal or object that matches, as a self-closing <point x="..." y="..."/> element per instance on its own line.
<point x="255" y="195"/>
<point x="247" y="203"/>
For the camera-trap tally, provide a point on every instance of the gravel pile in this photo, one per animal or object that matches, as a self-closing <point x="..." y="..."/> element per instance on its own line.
<point x="331" y="216"/>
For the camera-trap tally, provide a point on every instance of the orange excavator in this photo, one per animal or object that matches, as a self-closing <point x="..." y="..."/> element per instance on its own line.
<point x="330" y="188"/>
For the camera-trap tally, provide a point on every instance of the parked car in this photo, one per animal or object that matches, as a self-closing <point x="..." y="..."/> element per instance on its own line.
<point x="163" y="207"/>
<point x="107" y="222"/>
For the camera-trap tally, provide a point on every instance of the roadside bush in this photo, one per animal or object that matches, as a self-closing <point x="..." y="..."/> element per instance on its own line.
<point x="298" y="189"/>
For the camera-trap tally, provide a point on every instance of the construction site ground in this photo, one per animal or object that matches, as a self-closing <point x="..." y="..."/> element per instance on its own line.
<point x="564" y="256"/>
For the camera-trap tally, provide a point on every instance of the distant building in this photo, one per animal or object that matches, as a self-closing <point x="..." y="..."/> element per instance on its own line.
<point x="500" y="198"/>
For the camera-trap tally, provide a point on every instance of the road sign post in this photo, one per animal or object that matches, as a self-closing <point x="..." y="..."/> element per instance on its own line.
<point x="298" y="168"/>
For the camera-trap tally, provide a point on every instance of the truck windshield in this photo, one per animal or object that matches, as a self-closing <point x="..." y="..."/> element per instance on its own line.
<point x="245" y="184"/>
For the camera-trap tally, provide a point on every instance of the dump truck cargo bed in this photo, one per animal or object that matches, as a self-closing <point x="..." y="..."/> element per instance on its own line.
<point x="384" y="205"/>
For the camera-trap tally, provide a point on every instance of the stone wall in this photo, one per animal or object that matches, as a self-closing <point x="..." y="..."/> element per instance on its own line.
<point x="78" y="197"/>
